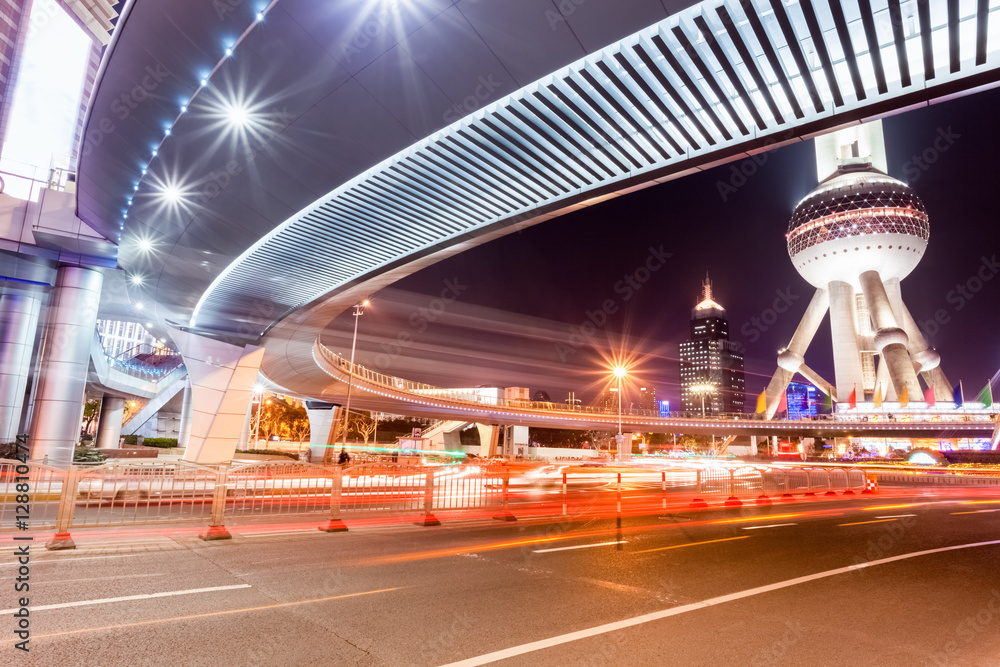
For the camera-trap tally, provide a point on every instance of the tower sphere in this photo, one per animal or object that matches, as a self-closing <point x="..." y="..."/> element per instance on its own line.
<point x="857" y="220"/>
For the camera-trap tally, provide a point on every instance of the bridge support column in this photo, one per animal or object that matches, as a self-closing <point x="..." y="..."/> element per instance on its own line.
<point x="244" y="440"/>
<point x="222" y="379"/>
<point x="62" y="375"/>
<point x="187" y="414"/>
<point x="18" y="324"/>
<point x="489" y="438"/>
<point x="109" y="424"/>
<point x="324" y="423"/>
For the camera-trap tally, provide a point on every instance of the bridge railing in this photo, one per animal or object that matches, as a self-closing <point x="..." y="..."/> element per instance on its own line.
<point x="398" y="384"/>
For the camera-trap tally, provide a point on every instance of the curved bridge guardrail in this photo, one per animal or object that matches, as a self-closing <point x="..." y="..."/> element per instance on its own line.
<point x="404" y="390"/>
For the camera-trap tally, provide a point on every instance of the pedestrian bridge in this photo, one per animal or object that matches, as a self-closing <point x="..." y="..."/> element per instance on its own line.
<point x="386" y="393"/>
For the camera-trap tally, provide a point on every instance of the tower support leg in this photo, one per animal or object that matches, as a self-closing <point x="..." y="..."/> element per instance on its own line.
<point x="890" y="340"/>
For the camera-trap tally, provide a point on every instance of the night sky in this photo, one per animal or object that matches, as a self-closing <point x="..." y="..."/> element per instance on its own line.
<point x="519" y="296"/>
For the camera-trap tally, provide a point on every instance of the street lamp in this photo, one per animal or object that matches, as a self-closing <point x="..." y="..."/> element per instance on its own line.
<point x="620" y="372"/>
<point x="258" y="394"/>
<point x="359" y="310"/>
<point x="701" y="390"/>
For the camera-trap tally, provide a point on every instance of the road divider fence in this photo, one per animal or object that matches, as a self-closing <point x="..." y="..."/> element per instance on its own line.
<point x="125" y="492"/>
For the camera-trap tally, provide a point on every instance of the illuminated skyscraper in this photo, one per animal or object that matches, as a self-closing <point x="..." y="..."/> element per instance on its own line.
<point x="711" y="364"/>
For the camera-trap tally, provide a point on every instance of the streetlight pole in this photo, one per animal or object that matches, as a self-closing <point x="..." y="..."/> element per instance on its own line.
<point x="620" y="372"/>
<point x="359" y="310"/>
<point x="256" y="427"/>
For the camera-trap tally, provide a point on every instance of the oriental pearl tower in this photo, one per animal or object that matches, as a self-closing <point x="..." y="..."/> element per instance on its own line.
<point x="854" y="238"/>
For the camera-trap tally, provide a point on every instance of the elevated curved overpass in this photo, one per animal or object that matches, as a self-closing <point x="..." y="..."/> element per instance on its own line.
<point x="262" y="170"/>
<point x="384" y="393"/>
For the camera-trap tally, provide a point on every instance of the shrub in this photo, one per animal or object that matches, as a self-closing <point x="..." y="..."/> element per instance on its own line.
<point x="968" y="456"/>
<point x="84" y="454"/>
<point x="163" y="443"/>
<point x="272" y="452"/>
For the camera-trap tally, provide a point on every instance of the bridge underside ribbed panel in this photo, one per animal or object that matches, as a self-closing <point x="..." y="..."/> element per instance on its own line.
<point x="710" y="83"/>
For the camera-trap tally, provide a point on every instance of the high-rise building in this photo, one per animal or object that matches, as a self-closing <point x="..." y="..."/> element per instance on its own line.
<point x="608" y="400"/>
<point x="711" y="364"/>
<point x="854" y="238"/>
<point x="647" y="398"/>
<point x="14" y="17"/>
<point x="801" y="399"/>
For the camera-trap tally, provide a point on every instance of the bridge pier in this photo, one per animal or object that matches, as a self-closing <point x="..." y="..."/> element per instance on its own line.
<point x="109" y="423"/>
<point x="62" y="375"/>
<point x="222" y="379"/>
<point x="19" y="311"/>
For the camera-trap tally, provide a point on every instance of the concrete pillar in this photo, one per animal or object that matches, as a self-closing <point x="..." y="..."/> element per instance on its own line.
<point x="18" y="324"/>
<point x="187" y="414"/>
<point x="791" y="359"/>
<point x="222" y="379"/>
<point x="488" y="441"/>
<point x="109" y="423"/>
<point x="322" y="418"/>
<point x="69" y="331"/>
<point x="890" y="340"/>
<point x="244" y="440"/>
<point x="846" y="355"/>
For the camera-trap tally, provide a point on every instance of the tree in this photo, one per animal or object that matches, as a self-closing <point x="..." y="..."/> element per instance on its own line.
<point x="90" y="411"/>
<point x="362" y="423"/>
<point x="280" y="416"/>
<point x="600" y="439"/>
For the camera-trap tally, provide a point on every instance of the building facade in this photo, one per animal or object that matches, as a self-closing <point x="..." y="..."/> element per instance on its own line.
<point x="801" y="399"/>
<point x="711" y="365"/>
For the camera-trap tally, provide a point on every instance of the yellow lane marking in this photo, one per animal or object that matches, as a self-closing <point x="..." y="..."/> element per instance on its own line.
<point x="763" y="517"/>
<point x="692" y="544"/>
<point x="860" y="523"/>
<point x="215" y="613"/>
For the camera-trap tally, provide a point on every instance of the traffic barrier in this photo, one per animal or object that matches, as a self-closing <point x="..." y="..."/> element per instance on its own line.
<point x="122" y="492"/>
<point x="871" y="482"/>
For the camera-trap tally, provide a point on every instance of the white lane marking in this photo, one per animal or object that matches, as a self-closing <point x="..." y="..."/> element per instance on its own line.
<point x="981" y="511"/>
<point x="281" y="532"/>
<point x="147" y="596"/>
<point x="694" y="606"/>
<point x="120" y="576"/>
<point x="773" y="525"/>
<point x="67" y="560"/>
<point x="579" y="546"/>
<point x="894" y="516"/>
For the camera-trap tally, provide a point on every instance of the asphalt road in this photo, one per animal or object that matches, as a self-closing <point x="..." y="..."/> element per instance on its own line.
<point x="749" y="586"/>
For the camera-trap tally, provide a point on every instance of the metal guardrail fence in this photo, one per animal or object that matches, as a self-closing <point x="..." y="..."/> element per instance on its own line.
<point x="748" y="481"/>
<point x="123" y="492"/>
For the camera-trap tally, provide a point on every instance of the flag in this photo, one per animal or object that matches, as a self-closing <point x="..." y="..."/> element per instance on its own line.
<point x="959" y="398"/>
<point x="762" y="402"/>
<point x="878" y="397"/>
<point x="904" y="397"/>
<point x="929" y="397"/>
<point x="852" y="402"/>
<point x="783" y="404"/>
<point x="986" y="396"/>
<point x="828" y="400"/>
